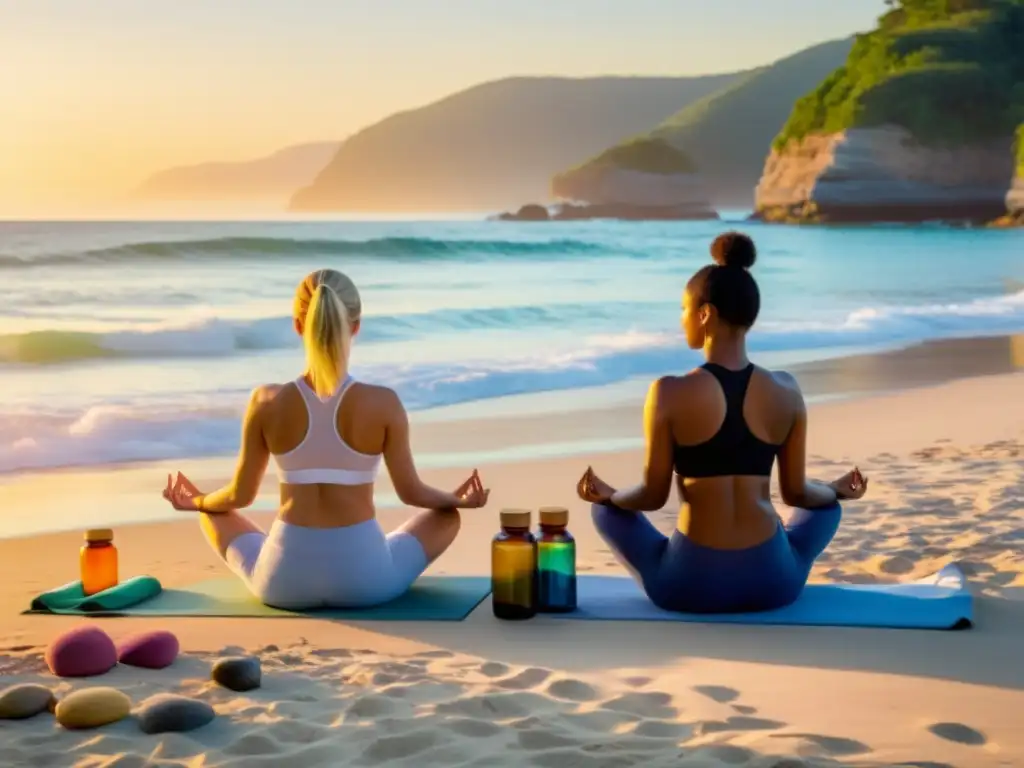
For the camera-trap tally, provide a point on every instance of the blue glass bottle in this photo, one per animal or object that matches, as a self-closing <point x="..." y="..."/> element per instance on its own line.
<point x="556" y="562"/>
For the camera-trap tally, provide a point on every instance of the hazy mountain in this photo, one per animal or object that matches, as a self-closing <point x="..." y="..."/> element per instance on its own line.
<point x="267" y="180"/>
<point x="494" y="145"/>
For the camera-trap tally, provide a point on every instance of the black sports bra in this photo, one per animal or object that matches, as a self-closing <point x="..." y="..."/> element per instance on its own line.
<point x="733" y="450"/>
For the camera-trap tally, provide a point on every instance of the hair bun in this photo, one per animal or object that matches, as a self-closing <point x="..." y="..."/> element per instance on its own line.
<point x="734" y="249"/>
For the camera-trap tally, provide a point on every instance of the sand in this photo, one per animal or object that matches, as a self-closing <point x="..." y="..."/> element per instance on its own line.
<point x="947" y="484"/>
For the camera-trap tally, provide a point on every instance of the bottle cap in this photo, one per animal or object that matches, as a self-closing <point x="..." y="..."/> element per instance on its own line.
<point x="515" y="518"/>
<point x="99" y="534"/>
<point x="554" y="516"/>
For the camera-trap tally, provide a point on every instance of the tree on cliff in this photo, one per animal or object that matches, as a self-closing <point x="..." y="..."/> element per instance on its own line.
<point x="949" y="71"/>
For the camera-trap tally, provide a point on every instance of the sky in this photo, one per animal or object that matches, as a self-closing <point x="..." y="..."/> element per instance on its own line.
<point x="97" y="94"/>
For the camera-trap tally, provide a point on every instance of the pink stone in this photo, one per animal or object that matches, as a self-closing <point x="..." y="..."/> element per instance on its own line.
<point x="83" y="651"/>
<point x="152" y="650"/>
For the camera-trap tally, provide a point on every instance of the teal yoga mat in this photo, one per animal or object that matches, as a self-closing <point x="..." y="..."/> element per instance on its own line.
<point x="941" y="601"/>
<point x="431" y="598"/>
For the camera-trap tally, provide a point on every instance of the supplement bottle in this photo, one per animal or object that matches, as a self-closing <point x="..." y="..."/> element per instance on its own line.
<point x="514" y="567"/>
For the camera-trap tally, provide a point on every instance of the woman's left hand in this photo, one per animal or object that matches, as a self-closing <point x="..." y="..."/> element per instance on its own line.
<point x="181" y="494"/>
<point x="593" y="489"/>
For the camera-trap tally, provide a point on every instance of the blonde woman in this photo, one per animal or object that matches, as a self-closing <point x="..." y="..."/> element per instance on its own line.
<point x="327" y="434"/>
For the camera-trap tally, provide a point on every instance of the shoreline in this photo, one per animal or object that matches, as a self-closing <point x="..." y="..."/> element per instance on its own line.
<point x="598" y="424"/>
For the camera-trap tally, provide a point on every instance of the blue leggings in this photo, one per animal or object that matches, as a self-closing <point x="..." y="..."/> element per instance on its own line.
<point x="680" y="575"/>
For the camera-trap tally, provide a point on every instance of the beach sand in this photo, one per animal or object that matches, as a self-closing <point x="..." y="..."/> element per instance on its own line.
<point x="946" y="464"/>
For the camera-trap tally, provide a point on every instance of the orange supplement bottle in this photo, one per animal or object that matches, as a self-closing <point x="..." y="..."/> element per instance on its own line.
<point x="98" y="561"/>
<point x="514" y="567"/>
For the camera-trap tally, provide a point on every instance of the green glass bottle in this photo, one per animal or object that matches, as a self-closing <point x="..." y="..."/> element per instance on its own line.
<point x="514" y="567"/>
<point x="556" y="562"/>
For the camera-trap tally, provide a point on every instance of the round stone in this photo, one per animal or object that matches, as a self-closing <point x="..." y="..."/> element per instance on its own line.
<point x="151" y="650"/>
<point x="83" y="651"/>
<point x="92" y="707"/>
<point x="238" y="673"/>
<point x="27" y="700"/>
<point x="167" y="712"/>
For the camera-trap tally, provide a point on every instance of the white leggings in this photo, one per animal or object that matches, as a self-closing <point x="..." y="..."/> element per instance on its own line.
<point x="296" y="568"/>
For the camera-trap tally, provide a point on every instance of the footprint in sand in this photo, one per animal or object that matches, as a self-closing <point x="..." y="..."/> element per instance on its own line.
<point x="654" y="704"/>
<point x="399" y="747"/>
<point x="493" y="669"/>
<point x="718" y="693"/>
<point x="740" y="723"/>
<point x="537" y="740"/>
<point x="637" y="681"/>
<point x="530" y="677"/>
<point x="496" y="706"/>
<point x="959" y="733"/>
<point x="815" y="745"/>
<point x="572" y="689"/>
<point x="742" y="709"/>
<point x="663" y="729"/>
<point x="474" y="729"/>
<point x="370" y="706"/>
<point x="253" y="744"/>
<point x="898" y="565"/>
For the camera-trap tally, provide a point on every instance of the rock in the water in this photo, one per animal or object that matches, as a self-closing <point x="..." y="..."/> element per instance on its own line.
<point x="166" y="712"/>
<point x="152" y="650"/>
<point x="92" y="707"/>
<point x="883" y="175"/>
<point x="28" y="700"/>
<point x="241" y="673"/>
<point x="81" y="652"/>
<point x="528" y="212"/>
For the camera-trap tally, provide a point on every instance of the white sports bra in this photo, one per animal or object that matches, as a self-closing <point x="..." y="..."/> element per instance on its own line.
<point x="322" y="456"/>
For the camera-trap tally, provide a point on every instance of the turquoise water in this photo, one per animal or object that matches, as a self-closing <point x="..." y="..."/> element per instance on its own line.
<point x="131" y="341"/>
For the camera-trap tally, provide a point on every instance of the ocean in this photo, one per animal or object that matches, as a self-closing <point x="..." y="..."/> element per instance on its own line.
<point x="130" y="341"/>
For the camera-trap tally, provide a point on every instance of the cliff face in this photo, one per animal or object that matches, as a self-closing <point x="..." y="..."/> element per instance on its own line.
<point x="623" y="186"/>
<point x="647" y="177"/>
<point x="884" y="174"/>
<point x="1015" y="199"/>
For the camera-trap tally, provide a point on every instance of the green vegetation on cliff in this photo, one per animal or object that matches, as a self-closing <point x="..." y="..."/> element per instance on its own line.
<point x="1020" y="150"/>
<point x="729" y="132"/>
<point x="948" y="71"/>
<point x="645" y="154"/>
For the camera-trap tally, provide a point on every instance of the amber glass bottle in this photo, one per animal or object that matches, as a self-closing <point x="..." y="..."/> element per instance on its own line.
<point x="556" y="562"/>
<point x="514" y="567"/>
<point x="98" y="561"/>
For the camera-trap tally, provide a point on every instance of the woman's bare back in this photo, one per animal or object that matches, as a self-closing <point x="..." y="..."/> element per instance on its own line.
<point x="730" y="511"/>
<point x="362" y="423"/>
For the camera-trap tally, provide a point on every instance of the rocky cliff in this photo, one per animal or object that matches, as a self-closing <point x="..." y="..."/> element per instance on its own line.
<point x="917" y="125"/>
<point x="884" y="174"/>
<point x="647" y="177"/>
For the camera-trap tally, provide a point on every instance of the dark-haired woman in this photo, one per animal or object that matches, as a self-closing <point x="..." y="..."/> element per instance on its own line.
<point x="721" y="427"/>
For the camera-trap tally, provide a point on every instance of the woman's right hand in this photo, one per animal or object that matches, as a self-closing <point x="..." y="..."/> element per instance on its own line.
<point x="851" y="486"/>
<point x="472" y="494"/>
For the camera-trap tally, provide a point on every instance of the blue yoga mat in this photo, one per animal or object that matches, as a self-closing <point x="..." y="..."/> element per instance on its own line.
<point x="941" y="601"/>
<point x="431" y="598"/>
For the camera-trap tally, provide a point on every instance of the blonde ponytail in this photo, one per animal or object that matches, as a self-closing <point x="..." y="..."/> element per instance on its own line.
<point x="327" y="327"/>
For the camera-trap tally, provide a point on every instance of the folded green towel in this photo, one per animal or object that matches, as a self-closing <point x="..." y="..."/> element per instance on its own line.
<point x="71" y="599"/>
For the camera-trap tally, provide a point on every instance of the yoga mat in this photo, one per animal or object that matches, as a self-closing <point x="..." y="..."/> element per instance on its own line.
<point x="70" y="599"/>
<point x="941" y="601"/>
<point x="431" y="598"/>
